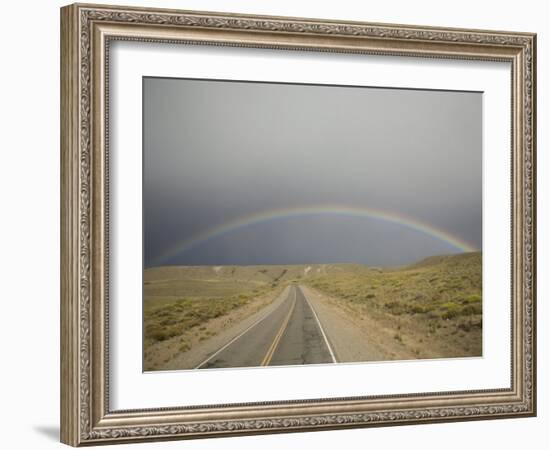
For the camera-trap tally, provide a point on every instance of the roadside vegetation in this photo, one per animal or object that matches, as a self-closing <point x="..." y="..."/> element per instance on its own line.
<point x="165" y="319"/>
<point x="427" y="310"/>
<point x="186" y="305"/>
<point x="433" y="307"/>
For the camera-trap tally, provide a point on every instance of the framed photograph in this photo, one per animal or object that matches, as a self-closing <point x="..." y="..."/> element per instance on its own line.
<point x="274" y="224"/>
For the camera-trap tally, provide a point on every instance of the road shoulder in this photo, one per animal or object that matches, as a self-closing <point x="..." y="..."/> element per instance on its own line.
<point x="353" y="338"/>
<point x="228" y="328"/>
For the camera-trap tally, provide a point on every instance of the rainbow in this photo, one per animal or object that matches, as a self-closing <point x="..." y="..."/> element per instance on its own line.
<point x="350" y="211"/>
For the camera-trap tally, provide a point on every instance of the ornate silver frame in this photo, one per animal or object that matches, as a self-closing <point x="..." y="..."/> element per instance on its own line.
<point x="86" y="32"/>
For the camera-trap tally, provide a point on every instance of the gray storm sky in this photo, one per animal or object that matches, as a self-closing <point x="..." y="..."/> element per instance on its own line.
<point x="216" y="151"/>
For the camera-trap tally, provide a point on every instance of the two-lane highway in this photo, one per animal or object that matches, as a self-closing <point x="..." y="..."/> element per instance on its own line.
<point x="289" y="335"/>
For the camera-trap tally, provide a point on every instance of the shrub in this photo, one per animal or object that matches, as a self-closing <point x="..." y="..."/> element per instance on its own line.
<point x="451" y="310"/>
<point x="168" y="321"/>
<point x="159" y="333"/>
<point x="471" y="310"/>
<point x="474" y="298"/>
<point x="184" y="347"/>
<point x="395" y="308"/>
<point x="418" y="309"/>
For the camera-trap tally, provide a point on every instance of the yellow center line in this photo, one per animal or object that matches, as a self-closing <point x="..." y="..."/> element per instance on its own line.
<point x="279" y="335"/>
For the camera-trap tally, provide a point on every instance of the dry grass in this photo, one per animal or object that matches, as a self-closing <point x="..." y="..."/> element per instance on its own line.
<point x="435" y="305"/>
<point x="166" y="319"/>
<point x="181" y="298"/>
<point x="432" y="309"/>
<point x="181" y="302"/>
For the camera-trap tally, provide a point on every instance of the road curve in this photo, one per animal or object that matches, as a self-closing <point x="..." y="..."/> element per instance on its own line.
<point x="290" y="335"/>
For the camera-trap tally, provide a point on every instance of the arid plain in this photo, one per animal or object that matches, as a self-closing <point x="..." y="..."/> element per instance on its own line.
<point x="248" y="316"/>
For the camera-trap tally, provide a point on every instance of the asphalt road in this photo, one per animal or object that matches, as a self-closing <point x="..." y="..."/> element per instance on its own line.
<point x="289" y="335"/>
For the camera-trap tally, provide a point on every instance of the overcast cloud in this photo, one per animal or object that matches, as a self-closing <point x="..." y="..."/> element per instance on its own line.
<point x="216" y="151"/>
